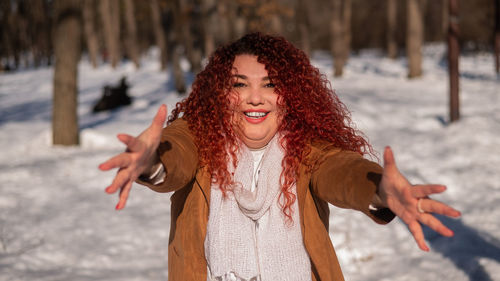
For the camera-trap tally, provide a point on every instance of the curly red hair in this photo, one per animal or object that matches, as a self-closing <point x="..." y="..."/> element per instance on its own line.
<point x="312" y="111"/>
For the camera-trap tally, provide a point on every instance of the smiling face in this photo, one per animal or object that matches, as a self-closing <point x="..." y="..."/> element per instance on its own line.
<point x="256" y="115"/>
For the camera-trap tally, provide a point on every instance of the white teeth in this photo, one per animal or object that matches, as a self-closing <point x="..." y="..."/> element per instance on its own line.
<point x="255" y="114"/>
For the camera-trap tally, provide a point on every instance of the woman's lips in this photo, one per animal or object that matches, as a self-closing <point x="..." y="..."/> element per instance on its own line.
<point x="255" y="116"/>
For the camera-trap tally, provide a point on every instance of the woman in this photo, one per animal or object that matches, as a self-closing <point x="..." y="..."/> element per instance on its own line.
<point x="254" y="155"/>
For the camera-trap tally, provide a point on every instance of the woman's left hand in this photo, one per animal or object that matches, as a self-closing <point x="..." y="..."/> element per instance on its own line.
<point x="411" y="203"/>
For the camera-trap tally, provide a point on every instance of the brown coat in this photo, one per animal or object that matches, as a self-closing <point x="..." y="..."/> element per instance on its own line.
<point x="341" y="178"/>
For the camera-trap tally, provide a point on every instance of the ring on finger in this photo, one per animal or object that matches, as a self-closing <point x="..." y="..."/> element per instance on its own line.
<point x="419" y="206"/>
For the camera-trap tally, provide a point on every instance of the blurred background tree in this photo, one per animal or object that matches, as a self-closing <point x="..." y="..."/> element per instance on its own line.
<point x="124" y="29"/>
<point x="116" y="30"/>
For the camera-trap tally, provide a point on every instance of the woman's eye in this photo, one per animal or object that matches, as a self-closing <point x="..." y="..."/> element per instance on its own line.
<point x="269" y="85"/>
<point x="238" y="85"/>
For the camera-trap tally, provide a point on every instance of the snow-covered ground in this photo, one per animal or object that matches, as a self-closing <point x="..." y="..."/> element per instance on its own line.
<point x="56" y="222"/>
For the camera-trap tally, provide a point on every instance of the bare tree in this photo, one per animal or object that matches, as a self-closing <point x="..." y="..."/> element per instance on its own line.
<point x="90" y="31"/>
<point x="303" y="26"/>
<point x="453" y="53"/>
<point x="159" y="32"/>
<point x="336" y="37"/>
<point x="110" y="16"/>
<point x="209" y="25"/>
<point x="184" y="22"/>
<point x="392" y="45"/>
<point x="223" y="27"/>
<point x="444" y="17"/>
<point x="39" y="31"/>
<point x="131" y="35"/>
<point x="346" y="30"/>
<point x="67" y="42"/>
<point x="414" y="37"/>
<point x="497" y="36"/>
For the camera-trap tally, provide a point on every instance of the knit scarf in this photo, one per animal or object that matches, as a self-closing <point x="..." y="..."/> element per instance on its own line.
<point x="247" y="236"/>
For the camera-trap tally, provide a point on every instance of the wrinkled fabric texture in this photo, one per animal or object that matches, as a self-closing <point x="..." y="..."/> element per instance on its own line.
<point x="326" y="175"/>
<point x="238" y="241"/>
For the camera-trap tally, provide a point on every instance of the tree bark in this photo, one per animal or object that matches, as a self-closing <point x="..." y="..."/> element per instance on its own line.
<point x="90" y="32"/>
<point x="209" y="25"/>
<point x="453" y="54"/>
<point x="303" y="26"/>
<point x="67" y="42"/>
<point x="346" y="30"/>
<point x="414" y="38"/>
<point x="497" y="36"/>
<point x="392" y="45"/>
<point x="337" y="37"/>
<point x="39" y="32"/>
<point x="183" y="25"/>
<point x="159" y="32"/>
<point x="131" y="27"/>
<point x="223" y="28"/>
<point x="110" y="16"/>
<point x="444" y="17"/>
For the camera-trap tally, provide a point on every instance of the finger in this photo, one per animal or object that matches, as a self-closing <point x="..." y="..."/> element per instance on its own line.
<point x="159" y="119"/>
<point x="120" y="180"/>
<point x="436" y="225"/>
<point x="433" y="206"/>
<point x="124" y="192"/>
<point x="119" y="161"/>
<point x="418" y="235"/>
<point x="389" y="162"/>
<point x="421" y="191"/>
<point x="130" y="141"/>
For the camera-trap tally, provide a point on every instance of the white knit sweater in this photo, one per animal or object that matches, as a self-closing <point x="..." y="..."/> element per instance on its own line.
<point x="247" y="237"/>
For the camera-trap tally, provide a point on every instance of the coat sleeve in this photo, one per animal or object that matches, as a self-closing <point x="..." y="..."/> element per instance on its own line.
<point x="347" y="180"/>
<point x="179" y="156"/>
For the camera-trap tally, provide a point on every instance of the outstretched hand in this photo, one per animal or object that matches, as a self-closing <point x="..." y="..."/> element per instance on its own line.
<point x="411" y="203"/>
<point x="138" y="158"/>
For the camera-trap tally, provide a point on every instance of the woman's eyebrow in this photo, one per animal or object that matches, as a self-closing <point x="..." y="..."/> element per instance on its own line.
<point x="246" y="78"/>
<point x="240" y="76"/>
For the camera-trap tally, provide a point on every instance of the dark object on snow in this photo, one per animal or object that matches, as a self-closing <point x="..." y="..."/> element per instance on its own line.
<point x="113" y="97"/>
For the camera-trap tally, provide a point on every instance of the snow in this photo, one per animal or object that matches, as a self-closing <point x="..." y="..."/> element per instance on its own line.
<point x="56" y="222"/>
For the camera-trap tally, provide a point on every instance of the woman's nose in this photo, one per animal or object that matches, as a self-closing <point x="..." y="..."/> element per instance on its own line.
<point x="255" y="97"/>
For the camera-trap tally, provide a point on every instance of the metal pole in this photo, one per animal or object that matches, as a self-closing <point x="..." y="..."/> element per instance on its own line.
<point x="453" y="53"/>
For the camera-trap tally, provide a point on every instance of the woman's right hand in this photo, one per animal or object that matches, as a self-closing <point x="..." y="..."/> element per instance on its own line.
<point x="138" y="158"/>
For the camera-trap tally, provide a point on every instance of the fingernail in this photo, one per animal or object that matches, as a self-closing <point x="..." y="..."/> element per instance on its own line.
<point x="117" y="206"/>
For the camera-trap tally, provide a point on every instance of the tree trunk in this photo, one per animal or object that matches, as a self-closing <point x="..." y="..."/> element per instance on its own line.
<point x="7" y="49"/>
<point x="453" y="53"/>
<point x="237" y="20"/>
<point x="159" y="32"/>
<point x="303" y="26"/>
<point x="131" y="27"/>
<point x="346" y="30"/>
<point x="183" y="25"/>
<point x="67" y="42"/>
<point x="223" y="28"/>
<point x="444" y="17"/>
<point x="336" y="37"/>
<point x="90" y="32"/>
<point x="111" y="26"/>
<point x="497" y="36"/>
<point x="392" y="45"/>
<point x="209" y="25"/>
<point x="39" y="32"/>
<point x="414" y="38"/>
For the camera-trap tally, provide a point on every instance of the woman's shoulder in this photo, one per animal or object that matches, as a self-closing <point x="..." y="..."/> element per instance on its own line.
<point x="320" y="150"/>
<point x="321" y="146"/>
